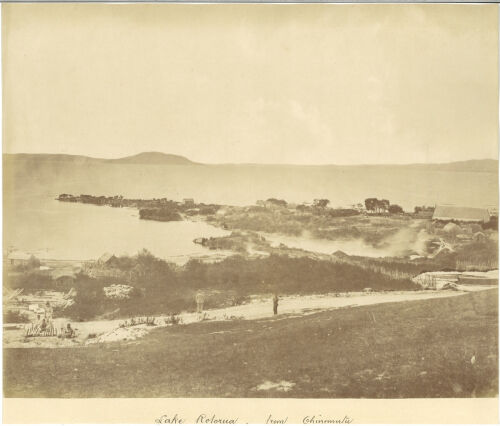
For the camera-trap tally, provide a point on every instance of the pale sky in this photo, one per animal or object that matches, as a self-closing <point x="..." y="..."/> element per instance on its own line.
<point x="302" y="84"/>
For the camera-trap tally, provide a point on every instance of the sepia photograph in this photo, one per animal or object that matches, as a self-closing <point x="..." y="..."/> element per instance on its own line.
<point x="266" y="201"/>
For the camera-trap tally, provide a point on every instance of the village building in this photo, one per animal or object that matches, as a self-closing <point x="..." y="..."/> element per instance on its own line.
<point x="106" y="266"/>
<point x="106" y="259"/>
<point x="19" y="258"/>
<point x="188" y="201"/>
<point x="64" y="277"/>
<point x="479" y="236"/>
<point x="460" y="214"/>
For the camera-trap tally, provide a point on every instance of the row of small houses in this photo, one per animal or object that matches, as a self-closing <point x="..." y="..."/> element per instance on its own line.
<point x="63" y="275"/>
<point x="104" y="266"/>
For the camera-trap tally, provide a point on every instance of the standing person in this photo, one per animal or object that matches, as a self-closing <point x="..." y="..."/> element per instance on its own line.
<point x="69" y="331"/>
<point x="275" y="304"/>
<point x="200" y="299"/>
<point x="48" y="312"/>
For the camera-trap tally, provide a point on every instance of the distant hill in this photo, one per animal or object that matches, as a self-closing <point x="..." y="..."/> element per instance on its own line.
<point x="487" y="165"/>
<point x="146" y="158"/>
<point x="160" y="158"/>
<point x="154" y="175"/>
<point x="153" y="158"/>
<point x="63" y="158"/>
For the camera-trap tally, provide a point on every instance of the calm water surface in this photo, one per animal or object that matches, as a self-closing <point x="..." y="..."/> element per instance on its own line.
<point x="72" y="231"/>
<point x="35" y="222"/>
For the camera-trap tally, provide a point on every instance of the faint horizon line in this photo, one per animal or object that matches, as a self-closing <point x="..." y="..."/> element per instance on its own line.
<point x="196" y="162"/>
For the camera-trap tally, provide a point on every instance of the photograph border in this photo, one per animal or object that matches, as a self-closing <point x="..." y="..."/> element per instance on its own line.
<point x="251" y="410"/>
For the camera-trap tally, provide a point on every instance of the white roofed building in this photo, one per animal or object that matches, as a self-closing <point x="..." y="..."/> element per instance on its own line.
<point x="461" y="214"/>
<point x="20" y="258"/>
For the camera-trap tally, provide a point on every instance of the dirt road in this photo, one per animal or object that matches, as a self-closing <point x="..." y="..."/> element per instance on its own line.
<point x="259" y="307"/>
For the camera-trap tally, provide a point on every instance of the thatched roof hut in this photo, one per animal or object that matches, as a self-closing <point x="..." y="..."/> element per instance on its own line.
<point x="461" y="214"/>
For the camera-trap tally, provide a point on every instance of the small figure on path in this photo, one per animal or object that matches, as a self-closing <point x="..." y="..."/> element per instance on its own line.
<point x="69" y="331"/>
<point x="200" y="299"/>
<point x="275" y="304"/>
<point x="48" y="312"/>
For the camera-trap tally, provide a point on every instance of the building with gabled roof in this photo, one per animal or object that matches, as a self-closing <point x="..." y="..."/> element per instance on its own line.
<point x="460" y="214"/>
<point x="21" y="258"/>
<point x="106" y="258"/>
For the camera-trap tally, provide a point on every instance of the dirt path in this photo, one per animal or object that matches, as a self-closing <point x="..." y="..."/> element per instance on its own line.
<point x="257" y="308"/>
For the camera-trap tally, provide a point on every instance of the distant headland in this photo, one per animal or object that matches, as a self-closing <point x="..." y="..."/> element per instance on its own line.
<point x="160" y="158"/>
<point x="146" y="158"/>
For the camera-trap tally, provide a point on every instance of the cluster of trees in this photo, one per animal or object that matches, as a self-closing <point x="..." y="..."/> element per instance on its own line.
<point x="382" y="206"/>
<point x="101" y="200"/>
<point x="277" y="202"/>
<point x="321" y="203"/>
<point x="320" y="207"/>
<point x="318" y="203"/>
<point x="162" y="214"/>
<point x="164" y="288"/>
<point x="231" y="242"/>
<point x="119" y="201"/>
<point x="30" y="281"/>
<point x="424" y="209"/>
<point x="161" y="209"/>
<point x="395" y="209"/>
<point x="208" y="209"/>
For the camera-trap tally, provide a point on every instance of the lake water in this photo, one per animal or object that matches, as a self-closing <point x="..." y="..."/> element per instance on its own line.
<point x="355" y="247"/>
<point x="71" y="231"/>
<point x="244" y="184"/>
<point x="34" y="221"/>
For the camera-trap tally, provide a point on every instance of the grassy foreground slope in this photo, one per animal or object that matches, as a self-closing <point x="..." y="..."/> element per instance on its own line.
<point x="400" y="350"/>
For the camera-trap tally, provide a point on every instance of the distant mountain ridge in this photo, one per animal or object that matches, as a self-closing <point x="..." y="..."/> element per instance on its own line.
<point x="485" y="165"/>
<point x="160" y="158"/>
<point x="146" y="158"/>
<point x="153" y="158"/>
